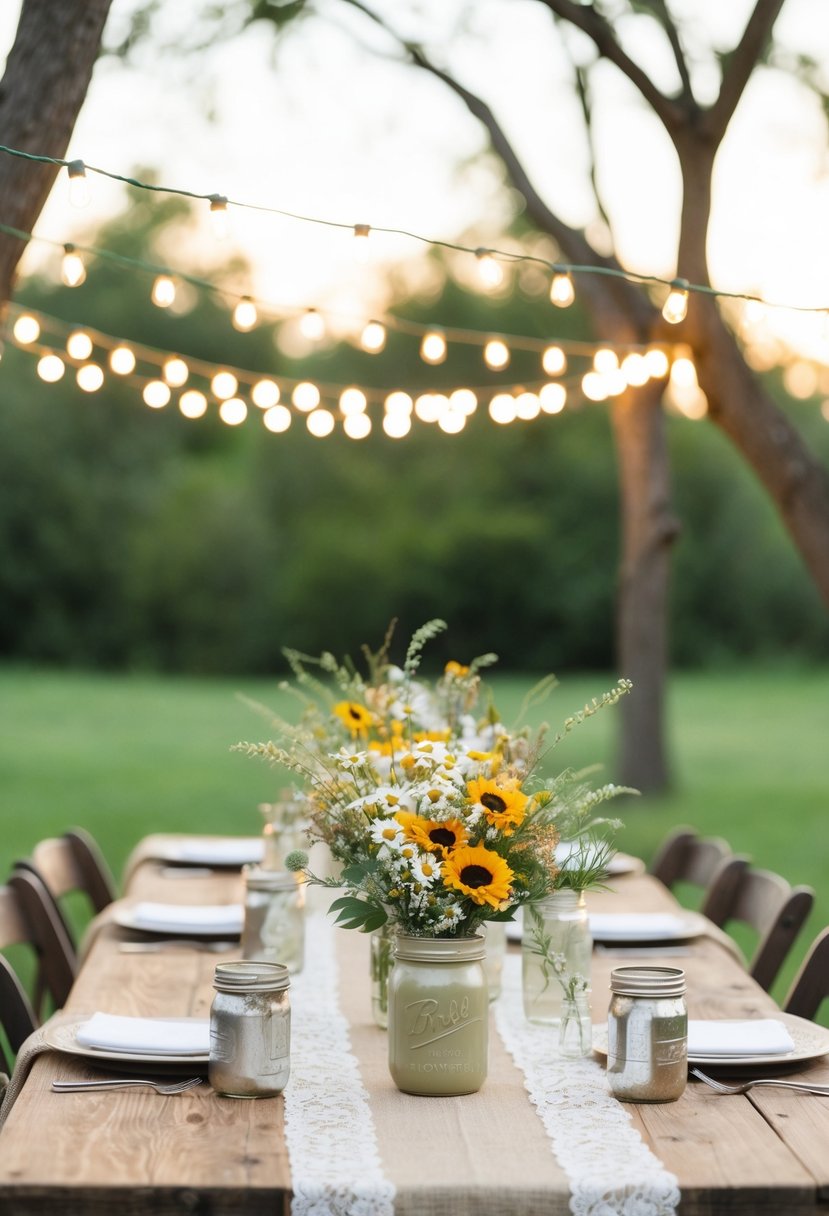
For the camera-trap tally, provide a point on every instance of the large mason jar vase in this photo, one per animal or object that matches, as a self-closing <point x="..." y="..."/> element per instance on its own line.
<point x="555" y="954"/>
<point x="496" y="948"/>
<point x="382" y="961"/>
<point x="438" y="1015"/>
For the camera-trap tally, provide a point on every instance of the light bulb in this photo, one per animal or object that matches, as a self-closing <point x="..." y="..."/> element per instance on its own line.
<point x="361" y="235"/>
<point x="464" y="401"/>
<point x="373" y="337"/>
<point x="320" y="423"/>
<point x="683" y="373"/>
<point x="605" y="360"/>
<point x="50" y="368"/>
<point x="193" y="404"/>
<point x="219" y="216"/>
<point x="635" y="369"/>
<point x="265" y="394"/>
<point x="594" y="387"/>
<point x="490" y="271"/>
<point x="352" y="401"/>
<point x="223" y="385"/>
<point x="26" y="329"/>
<point x="427" y="407"/>
<point x="79" y="345"/>
<point x="399" y="403"/>
<point x="496" y="354"/>
<point x="156" y="394"/>
<point x="122" y="360"/>
<point x="397" y="424"/>
<point x="615" y="382"/>
<point x="433" y="347"/>
<point x="553" y="398"/>
<point x="554" y="361"/>
<point x="233" y="411"/>
<point x="562" y="291"/>
<point x="357" y="426"/>
<point x="277" y="419"/>
<point x="90" y="377"/>
<point x="306" y="396"/>
<point x="175" y="371"/>
<point x="675" y="308"/>
<point x="312" y="325"/>
<point x="657" y="363"/>
<point x="72" y="269"/>
<point x="452" y="422"/>
<point x="164" y="291"/>
<point x="245" y="315"/>
<point x="502" y="408"/>
<point x="527" y="406"/>
<point x="78" y="183"/>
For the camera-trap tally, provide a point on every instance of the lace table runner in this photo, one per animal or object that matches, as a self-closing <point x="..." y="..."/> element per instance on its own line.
<point x="611" y="1170"/>
<point x="329" y="1128"/>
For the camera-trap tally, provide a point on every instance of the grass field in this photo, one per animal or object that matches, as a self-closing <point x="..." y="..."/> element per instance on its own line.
<point x="127" y="755"/>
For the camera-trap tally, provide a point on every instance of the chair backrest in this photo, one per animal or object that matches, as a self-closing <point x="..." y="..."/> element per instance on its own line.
<point x="811" y="984"/>
<point x="766" y="903"/>
<point x="69" y="863"/>
<point x="34" y="920"/>
<point x="17" y="1018"/>
<point x="684" y="856"/>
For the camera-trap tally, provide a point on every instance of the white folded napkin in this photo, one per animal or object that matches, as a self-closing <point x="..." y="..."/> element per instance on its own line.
<point x="757" y="1037"/>
<point x="146" y="1036"/>
<point x="226" y="851"/>
<point x="637" y="926"/>
<point x="187" y="918"/>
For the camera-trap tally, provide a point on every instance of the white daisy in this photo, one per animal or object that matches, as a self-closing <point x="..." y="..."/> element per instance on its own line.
<point x="426" y="869"/>
<point x="387" y="832"/>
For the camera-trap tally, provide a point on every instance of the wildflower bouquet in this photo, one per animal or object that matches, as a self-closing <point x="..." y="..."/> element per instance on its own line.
<point x="429" y="804"/>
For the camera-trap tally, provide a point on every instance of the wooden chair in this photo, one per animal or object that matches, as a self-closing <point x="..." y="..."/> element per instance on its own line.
<point x="68" y="864"/>
<point x="811" y="984"/>
<point x="23" y="923"/>
<point x="684" y="856"/>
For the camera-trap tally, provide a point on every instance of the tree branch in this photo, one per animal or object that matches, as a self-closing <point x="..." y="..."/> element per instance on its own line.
<point x="583" y="90"/>
<point x="660" y="12"/>
<point x="741" y="63"/>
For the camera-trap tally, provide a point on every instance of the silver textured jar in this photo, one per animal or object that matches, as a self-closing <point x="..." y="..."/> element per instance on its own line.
<point x="274" y="929"/>
<point x="250" y="1030"/>
<point x="647" y="1034"/>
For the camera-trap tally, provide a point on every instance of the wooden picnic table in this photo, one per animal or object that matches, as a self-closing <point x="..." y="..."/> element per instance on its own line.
<point x="135" y="1153"/>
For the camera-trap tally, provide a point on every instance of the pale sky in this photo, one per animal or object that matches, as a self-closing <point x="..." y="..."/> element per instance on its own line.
<point x="332" y="130"/>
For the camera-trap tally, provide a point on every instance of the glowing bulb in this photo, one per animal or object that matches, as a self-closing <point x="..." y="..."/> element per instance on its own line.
<point x="224" y="385"/>
<point x="312" y="325"/>
<point x="496" y="354"/>
<point x="78" y="183"/>
<point x="657" y="363"/>
<point x="527" y="406"/>
<point x="164" y="291"/>
<point x="352" y="401"/>
<point x="433" y="347"/>
<point x="193" y="404"/>
<point x="50" y="368"/>
<point x="233" y="411"/>
<point x="491" y="273"/>
<point x="553" y="398"/>
<point x="615" y="382"/>
<point x="79" y="345"/>
<point x="90" y="377"/>
<point x="306" y="396"/>
<point x="373" y="337"/>
<point x="683" y="373"/>
<point x="265" y="394"/>
<point x="594" y="387"/>
<point x="320" y="423"/>
<point x="72" y="269"/>
<point x="605" y="360"/>
<point x="675" y="308"/>
<point x="357" y="426"/>
<point x="399" y="403"/>
<point x="361" y="235"/>
<point x="27" y="329"/>
<point x="156" y="394"/>
<point x="635" y="369"/>
<point x="554" y="361"/>
<point x="562" y="291"/>
<point x="427" y="407"/>
<point x="175" y="371"/>
<point x="245" y="315"/>
<point x="122" y="360"/>
<point x="219" y="216"/>
<point x="277" y="419"/>
<point x="397" y="424"/>
<point x="452" y="422"/>
<point x="502" y="408"/>
<point x="464" y="401"/>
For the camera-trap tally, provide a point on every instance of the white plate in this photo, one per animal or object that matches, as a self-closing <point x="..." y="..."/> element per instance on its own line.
<point x="62" y="1036"/>
<point x="228" y="851"/>
<point x="810" y="1043"/>
<point x="181" y="919"/>
<point x="685" y="925"/>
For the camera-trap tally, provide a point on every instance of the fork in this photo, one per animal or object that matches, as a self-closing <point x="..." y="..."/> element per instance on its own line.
<point x="177" y="1087"/>
<point x="721" y="1088"/>
<point x="175" y="943"/>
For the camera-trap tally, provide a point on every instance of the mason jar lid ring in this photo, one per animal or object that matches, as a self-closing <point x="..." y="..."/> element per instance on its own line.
<point x="251" y="977"/>
<point x="648" y="981"/>
<point x="440" y="949"/>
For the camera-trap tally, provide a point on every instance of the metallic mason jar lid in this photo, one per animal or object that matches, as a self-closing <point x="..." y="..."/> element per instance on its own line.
<point x="440" y="949"/>
<point x="251" y="977"/>
<point x="257" y="879"/>
<point x="648" y="981"/>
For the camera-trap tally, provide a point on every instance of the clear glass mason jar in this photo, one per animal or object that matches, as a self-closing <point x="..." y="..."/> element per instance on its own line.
<point x="274" y="929"/>
<point x="382" y="961"/>
<point x="575" y="1035"/>
<point x="438" y="1015"/>
<point x="250" y="1030"/>
<point x="282" y="831"/>
<point x="647" y="1034"/>
<point x="496" y="947"/>
<point x="556" y="948"/>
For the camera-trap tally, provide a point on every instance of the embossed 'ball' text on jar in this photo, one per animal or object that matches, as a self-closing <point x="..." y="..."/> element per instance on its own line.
<point x="438" y="1015"/>
<point x="250" y="1030"/>
<point x="647" y="1034"/>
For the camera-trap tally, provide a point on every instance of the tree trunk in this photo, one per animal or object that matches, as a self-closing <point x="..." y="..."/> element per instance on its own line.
<point x="648" y="529"/>
<point x="43" y="88"/>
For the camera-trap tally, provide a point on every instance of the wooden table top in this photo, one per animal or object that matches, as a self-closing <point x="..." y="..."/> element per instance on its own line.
<point x="137" y="1154"/>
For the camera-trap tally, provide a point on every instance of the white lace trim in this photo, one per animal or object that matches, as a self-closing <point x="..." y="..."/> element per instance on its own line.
<point x="329" y="1129"/>
<point x="610" y="1169"/>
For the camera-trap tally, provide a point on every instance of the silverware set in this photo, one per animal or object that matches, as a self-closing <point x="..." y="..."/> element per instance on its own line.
<point x="176" y="1087"/>
<point x="721" y="1088"/>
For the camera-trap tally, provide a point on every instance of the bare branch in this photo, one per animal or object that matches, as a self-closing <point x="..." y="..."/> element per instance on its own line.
<point x="660" y="12"/>
<point x="740" y="64"/>
<point x="583" y="90"/>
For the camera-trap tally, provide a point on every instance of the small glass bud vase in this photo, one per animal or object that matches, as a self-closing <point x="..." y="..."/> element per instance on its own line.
<point x="438" y="1015"/>
<point x="556" y="954"/>
<point x="496" y="947"/>
<point x="274" y="929"/>
<point x="575" y="1034"/>
<point x="382" y="961"/>
<point x="282" y="831"/>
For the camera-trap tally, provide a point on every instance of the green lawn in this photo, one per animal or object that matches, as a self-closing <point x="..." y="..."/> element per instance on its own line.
<point x="128" y="755"/>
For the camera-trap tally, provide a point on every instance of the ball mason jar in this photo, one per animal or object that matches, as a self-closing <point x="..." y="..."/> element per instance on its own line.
<point x="556" y="947"/>
<point x="647" y="1034"/>
<point x="438" y="1015"/>
<point x="250" y="1030"/>
<point x="274" y="928"/>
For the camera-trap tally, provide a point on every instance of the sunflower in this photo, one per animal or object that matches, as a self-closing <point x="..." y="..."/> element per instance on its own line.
<point x="436" y="836"/>
<point x="355" y="716"/>
<point x="479" y="873"/>
<point x="504" y="805"/>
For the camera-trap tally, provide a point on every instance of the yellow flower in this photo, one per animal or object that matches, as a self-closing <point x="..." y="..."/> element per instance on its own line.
<point x="355" y="716"/>
<point x="504" y="805"/>
<point x="479" y="873"/>
<point x="437" y="836"/>
<point x="456" y="669"/>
